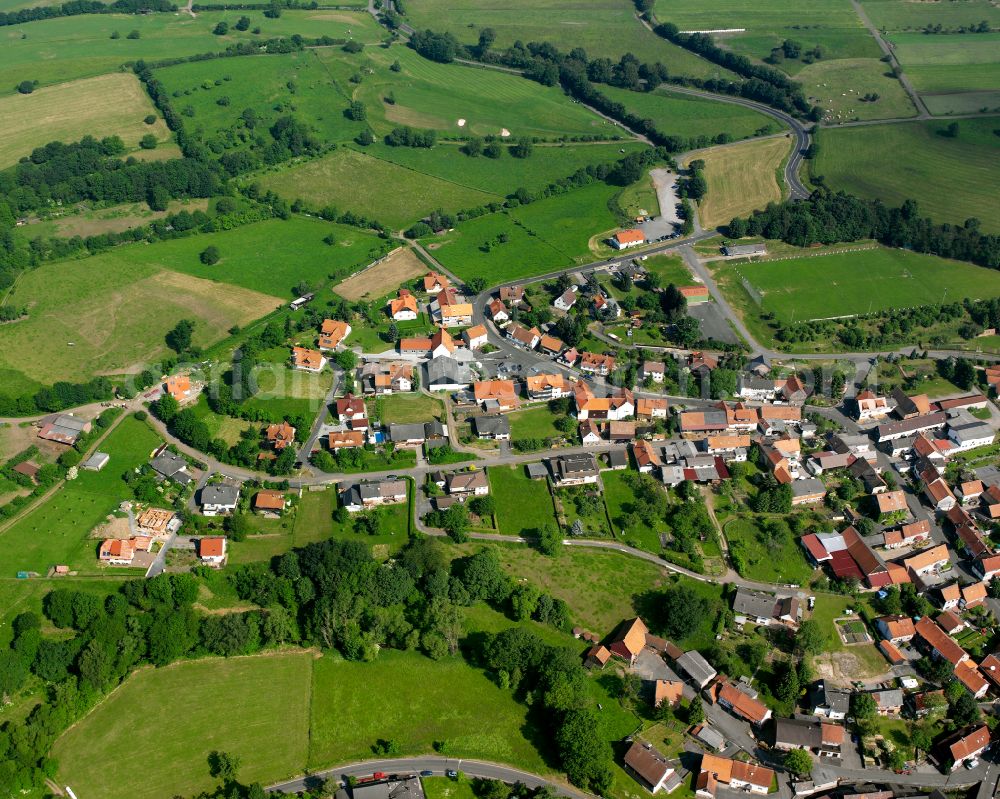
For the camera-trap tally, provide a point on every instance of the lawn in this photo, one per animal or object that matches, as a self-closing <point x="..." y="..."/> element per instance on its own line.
<point x="620" y="500"/>
<point x="57" y="531"/>
<point x="593" y="517"/>
<point x="63" y="49"/>
<point x="107" y="105"/>
<point x="862" y="282"/>
<point x="530" y="240"/>
<point x="683" y="115"/>
<point x="311" y="521"/>
<point x="427" y="94"/>
<point x="409" y="408"/>
<point x="670" y="269"/>
<point x="533" y="423"/>
<point x="393" y="532"/>
<point x="256" y="708"/>
<point x="601" y="27"/>
<point x="356" y="704"/>
<point x="741" y="178"/>
<point x="523" y="505"/>
<point x="784" y="563"/>
<point x="951" y="179"/>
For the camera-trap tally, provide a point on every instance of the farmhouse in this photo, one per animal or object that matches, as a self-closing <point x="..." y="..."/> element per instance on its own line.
<point x="212" y="550"/>
<point x="629" y="640"/>
<point x="848" y="556"/>
<point x="910" y="426"/>
<point x="307" y="360"/>
<point x="613" y="409"/>
<point x="967" y="432"/>
<point x="63" y="428"/>
<point x="386" y="377"/>
<point x="219" y="499"/>
<point x="449" y="309"/>
<point x="496" y="395"/>
<point x="363" y="496"/>
<point x="646" y="408"/>
<point x="332" y="334"/>
<point x="627" y="238"/>
<point x="404" y="307"/>
<point x="751" y="387"/>
<point x="651" y="768"/>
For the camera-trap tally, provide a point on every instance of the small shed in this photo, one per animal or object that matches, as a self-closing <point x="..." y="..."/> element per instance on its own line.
<point x="537" y="471"/>
<point x="96" y="462"/>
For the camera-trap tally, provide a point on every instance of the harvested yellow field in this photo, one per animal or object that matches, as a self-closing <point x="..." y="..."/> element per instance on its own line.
<point x="400" y="266"/>
<point x="107" y="105"/>
<point x="741" y="178"/>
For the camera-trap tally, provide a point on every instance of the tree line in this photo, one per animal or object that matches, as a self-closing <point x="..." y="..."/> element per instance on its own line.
<point x="77" y="7"/>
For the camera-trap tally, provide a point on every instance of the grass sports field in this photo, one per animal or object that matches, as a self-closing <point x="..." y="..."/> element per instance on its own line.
<point x="601" y="27"/>
<point x="256" y="708"/>
<point x="57" y="531"/>
<point x="540" y="237"/>
<point x="951" y="179"/>
<point x="353" y="707"/>
<point x="426" y="94"/>
<point x="680" y="115"/>
<point x="523" y="505"/>
<point x="103" y="106"/>
<point x="424" y="180"/>
<point x="58" y="50"/>
<point x="741" y="178"/>
<point x="858" y="282"/>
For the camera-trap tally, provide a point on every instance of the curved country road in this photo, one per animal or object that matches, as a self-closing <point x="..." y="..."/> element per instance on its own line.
<point x="436" y="764"/>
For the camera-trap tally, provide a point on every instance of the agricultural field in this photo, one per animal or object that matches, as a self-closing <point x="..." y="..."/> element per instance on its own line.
<point x="256" y="708"/>
<point x="741" y="178"/>
<point x="844" y="284"/>
<point x="540" y="237"/>
<point x="444" y="702"/>
<point x="904" y="15"/>
<point x="601" y="27"/>
<point x="455" y="100"/>
<point x="425" y="180"/>
<point x="92" y="315"/>
<point x="839" y="86"/>
<point x="57" y="531"/>
<point x="951" y="179"/>
<point x="398" y="268"/>
<point x="523" y="505"/>
<point x="680" y="115"/>
<point x="108" y="105"/>
<point x="63" y="49"/>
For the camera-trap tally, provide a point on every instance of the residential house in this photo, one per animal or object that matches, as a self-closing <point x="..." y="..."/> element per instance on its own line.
<point x="654" y="370"/>
<point x="872" y="481"/>
<point x="345" y="439"/>
<point x="898" y="628"/>
<point x="740" y="704"/>
<point x="269" y="501"/>
<point x="793" y="390"/>
<point x="829" y="702"/>
<point x="524" y="337"/>
<point x="629" y="639"/>
<point x="651" y="768"/>
<point x="966" y="432"/>
<point x="434" y="283"/>
<point x="512" y="294"/>
<point x="807" y="491"/>
<point x="498" y="312"/>
<point x="965" y="746"/>
<point x="496" y="395"/>
<point x="404" y="307"/>
<point x="365" y="495"/>
<point x="445" y="374"/>
<point x="550" y="345"/>
<point x="117" y="552"/>
<point x="574" y="470"/>
<point x="973" y="595"/>
<point x="820" y="737"/>
<point x="212" y="550"/>
<point x="990" y="669"/>
<point x="179" y="387"/>
<point x="307" y="360"/>
<point x="332" y="333"/>
<point x="170" y="466"/>
<point x="442" y="344"/>
<point x="351" y="411"/>
<point x="733" y="774"/>
<point x="621" y="432"/>
<point x="495" y="427"/>
<point x="972" y="678"/>
<point x="415" y="347"/>
<point x="449" y="309"/>
<point x="386" y="377"/>
<point x="868" y="406"/>
<point x="888" y="701"/>
<point x="569" y="357"/>
<point x="937" y="491"/>
<point x="620" y="405"/>
<point x="828" y="460"/>
<point x="986" y="567"/>
<point x="908" y="535"/>
<point x="760" y="389"/>
<point x="280" y="435"/>
<point x="938" y="642"/>
<point x="627" y="238"/>
<point x="950" y="622"/>
<point x="566" y="300"/>
<point x="547" y="386"/>
<point x="646" y="408"/>
<point x="408" y="435"/>
<point x="891" y="502"/>
<point x="932" y="452"/>
<point x="590" y="435"/>
<point x="970" y="491"/>
<point x="910" y="407"/>
<point x="475" y="337"/>
<point x="646" y="456"/>
<point x="220" y="499"/>
<point x="468" y="483"/>
<point x="949" y="595"/>
<point x="757" y="606"/>
<point x="596" y="363"/>
<point x="698" y="670"/>
<point x="928" y="561"/>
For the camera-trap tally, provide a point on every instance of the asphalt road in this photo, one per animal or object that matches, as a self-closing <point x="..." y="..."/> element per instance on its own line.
<point x="437" y="765"/>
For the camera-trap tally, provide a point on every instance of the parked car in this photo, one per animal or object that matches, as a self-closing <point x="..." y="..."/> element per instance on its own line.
<point x="426" y="773"/>
<point x="452" y="774"/>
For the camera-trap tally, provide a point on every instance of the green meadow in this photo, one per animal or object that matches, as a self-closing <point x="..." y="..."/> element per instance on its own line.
<point x="57" y="531"/>
<point x="524" y="506"/>
<point x="57" y="50"/>
<point x="951" y="179"/>
<point x="842" y="284"/>
<point x="905" y="15"/>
